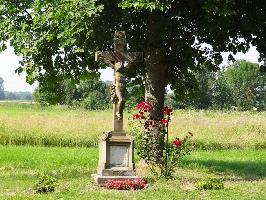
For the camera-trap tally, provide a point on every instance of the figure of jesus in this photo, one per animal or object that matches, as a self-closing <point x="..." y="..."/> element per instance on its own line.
<point x="119" y="86"/>
<point x="117" y="60"/>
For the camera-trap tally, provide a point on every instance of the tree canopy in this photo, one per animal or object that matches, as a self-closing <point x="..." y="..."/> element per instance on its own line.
<point x="58" y="38"/>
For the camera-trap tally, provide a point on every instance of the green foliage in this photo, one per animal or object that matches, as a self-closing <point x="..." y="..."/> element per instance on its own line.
<point x="94" y="101"/>
<point x="89" y="94"/>
<point x="46" y="33"/>
<point x="45" y="184"/>
<point x="58" y="39"/>
<point x="241" y="85"/>
<point x="146" y="4"/>
<point x="64" y="93"/>
<point x="203" y="97"/>
<point x="248" y="85"/>
<point x="152" y="141"/>
<point x="222" y="93"/>
<point x="205" y="80"/>
<point x="135" y="94"/>
<point x="95" y="94"/>
<point x="210" y="183"/>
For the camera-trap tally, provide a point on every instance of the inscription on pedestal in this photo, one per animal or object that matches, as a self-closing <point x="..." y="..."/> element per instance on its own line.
<point x="119" y="155"/>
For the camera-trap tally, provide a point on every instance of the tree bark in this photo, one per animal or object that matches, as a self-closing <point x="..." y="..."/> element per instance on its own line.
<point x="155" y="83"/>
<point x="154" y="93"/>
<point x="156" y="70"/>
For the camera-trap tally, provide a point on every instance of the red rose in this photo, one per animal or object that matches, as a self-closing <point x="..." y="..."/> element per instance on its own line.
<point x="145" y="106"/>
<point x="137" y="116"/>
<point x="167" y="110"/>
<point x="140" y="105"/>
<point x="164" y="121"/>
<point x="177" y="143"/>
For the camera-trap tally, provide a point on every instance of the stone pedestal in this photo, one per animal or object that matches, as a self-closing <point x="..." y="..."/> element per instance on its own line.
<point x="116" y="147"/>
<point x="116" y="157"/>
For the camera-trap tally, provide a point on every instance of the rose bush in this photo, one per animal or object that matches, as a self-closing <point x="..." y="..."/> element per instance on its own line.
<point x="152" y="141"/>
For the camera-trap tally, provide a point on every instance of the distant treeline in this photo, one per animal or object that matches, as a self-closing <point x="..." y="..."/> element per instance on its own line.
<point x="5" y="95"/>
<point x="17" y="96"/>
<point x="240" y="86"/>
<point x="89" y="94"/>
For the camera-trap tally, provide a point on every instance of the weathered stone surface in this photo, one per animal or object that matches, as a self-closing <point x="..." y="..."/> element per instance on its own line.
<point x="116" y="148"/>
<point x="118" y="172"/>
<point x="116" y="159"/>
<point x="119" y="155"/>
<point x="116" y="60"/>
<point x="101" y="180"/>
<point x="116" y="151"/>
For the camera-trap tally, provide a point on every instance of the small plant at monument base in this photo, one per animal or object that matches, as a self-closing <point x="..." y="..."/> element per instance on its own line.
<point x="210" y="183"/>
<point x="128" y="184"/>
<point x="152" y="141"/>
<point x="45" y="184"/>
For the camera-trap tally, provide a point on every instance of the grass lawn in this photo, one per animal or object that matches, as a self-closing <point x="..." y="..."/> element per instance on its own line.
<point x="30" y="124"/>
<point x="236" y="143"/>
<point x="244" y="173"/>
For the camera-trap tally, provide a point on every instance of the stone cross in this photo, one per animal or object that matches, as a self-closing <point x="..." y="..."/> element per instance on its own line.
<point x="116" y="59"/>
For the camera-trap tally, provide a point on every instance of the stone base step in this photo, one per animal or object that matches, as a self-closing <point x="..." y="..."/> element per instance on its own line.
<point x="101" y="180"/>
<point x="118" y="172"/>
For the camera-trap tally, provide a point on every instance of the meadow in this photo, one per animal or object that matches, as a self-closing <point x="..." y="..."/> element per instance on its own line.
<point x="28" y="124"/>
<point x="63" y="142"/>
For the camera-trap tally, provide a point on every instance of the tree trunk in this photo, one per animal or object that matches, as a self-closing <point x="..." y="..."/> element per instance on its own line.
<point x="155" y="82"/>
<point x="156" y="70"/>
<point x="154" y="93"/>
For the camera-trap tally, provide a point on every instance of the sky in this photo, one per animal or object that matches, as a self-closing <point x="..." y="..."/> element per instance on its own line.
<point x="13" y="82"/>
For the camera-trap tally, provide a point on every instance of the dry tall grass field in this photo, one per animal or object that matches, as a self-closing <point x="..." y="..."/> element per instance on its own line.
<point x="22" y="124"/>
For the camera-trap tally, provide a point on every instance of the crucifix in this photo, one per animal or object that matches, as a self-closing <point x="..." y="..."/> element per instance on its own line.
<point x="117" y="59"/>
<point x="116" y="151"/>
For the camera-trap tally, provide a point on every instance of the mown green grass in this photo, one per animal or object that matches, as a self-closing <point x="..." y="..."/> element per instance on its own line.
<point x="31" y="124"/>
<point x="243" y="171"/>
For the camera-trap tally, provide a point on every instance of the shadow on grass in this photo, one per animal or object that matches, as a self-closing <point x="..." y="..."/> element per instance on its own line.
<point x="248" y="170"/>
